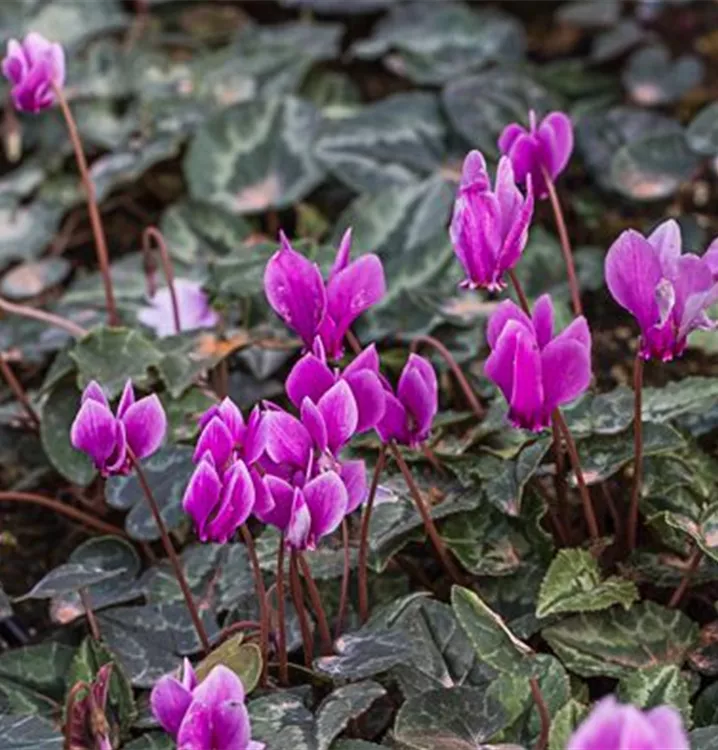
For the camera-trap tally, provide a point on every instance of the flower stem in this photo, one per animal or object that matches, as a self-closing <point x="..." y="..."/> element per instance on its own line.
<point x="693" y="562"/>
<point x="295" y="586"/>
<point x="18" y="391"/>
<point x="637" y="450"/>
<point x="576" y="465"/>
<point x="559" y="480"/>
<point x="262" y="596"/>
<point x="523" y="299"/>
<point x="153" y="235"/>
<point x="89" y="614"/>
<point x="364" y="536"/>
<point x="94" y="212"/>
<point x="44" y="317"/>
<point x="565" y="243"/>
<point x="346" y="575"/>
<point x="170" y="550"/>
<point x="429" y="524"/>
<point x="316" y="600"/>
<point x="453" y="365"/>
<point x="75" y="514"/>
<point x="281" y="617"/>
<point x="544" y="715"/>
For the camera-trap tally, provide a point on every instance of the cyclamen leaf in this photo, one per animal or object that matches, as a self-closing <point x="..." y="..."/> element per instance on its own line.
<point x="244" y="659"/>
<point x="343" y="705"/>
<point x="28" y="733"/>
<point x="658" y="685"/>
<point x="69" y="577"/>
<point x="573" y="583"/>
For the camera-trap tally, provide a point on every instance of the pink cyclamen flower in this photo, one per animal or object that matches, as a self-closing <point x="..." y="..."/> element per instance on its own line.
<point x="612" y="726"/>
<point x="192" y="306"/>
<point x="535" y="370"/>
<point x="107" y="438"/>
<point x="489" y="229"/>
<point x="210" y="715"/>
<point x="667" y="292"/>
<point x="32" y="67"/>
<point x="543" y="147"/>
<point x="226" y="488"/>
<point x="410" y="412"/>
<point x="298" y="294"/>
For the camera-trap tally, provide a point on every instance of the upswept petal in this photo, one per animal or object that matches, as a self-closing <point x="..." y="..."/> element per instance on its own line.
<point x="195" y="733"/>
<point x="94" y="432"/>
<point x="169" y="701"/>
<point x="601" y="729"/>
<point x="287" y="439"/>
<point x="263" y="500"/>
<point x="220" y="685"/>
<point x="474" y="175"/>
<point x="235" y="505"/>
<point x="341" y="415"/>
<point x="216" y="439"/>
<point x="353" y="474"/>
<point x="577" y="330"/>
<point x="566" y="372"/>
<point x="232" y="417"/>
<point x="392" y="426"/>
<point x="666" y="240"/>
<point x="542" y="319"/>
<point x="418" y="391"/>
<point x="510" y="134"/>
<point x="202" y="496"/>
<point x="145" y="425"/>
<point x="230" y="726"/>
<point x="555" y="133"/>
<point x="94" y="391"/>
<point x="327" y="498"/>
<point x="254" y="438"/>
<point x="368" y="359"/>
<point x="282" y="494"/>
<point x="316" y="426"/>
<point x="518" y="230"/>
<point x="504" y="313"/>
<point x="499" y="365"/>
<point x="309" y="378"/>
<point x="298" y="532"/>
<point x="527" y="398"/>
<point x="126" y="399"/>
<point x="710" y="257"/>
<point x="341" y="261"/>
<point x="370" y="398"/>
<point x="666" y="722"/>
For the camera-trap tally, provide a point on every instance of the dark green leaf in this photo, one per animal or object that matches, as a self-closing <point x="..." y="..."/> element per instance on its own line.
<point x="564" y="723"/>
<point x="705" y="738"/>
<point x="658" y="685"/>
<point x="69" y="577"/>
<point x="281" y="720"/>
<point x="28" y="733"/>
<point x="653" y="78"/>
<point x="244" y="659"/>
<point x="34" y="278"/>
<point x="343" y="705"/>
<point x="151" y="741"/>
<point x="26" y="230"/>
<point x="702" y="133"/>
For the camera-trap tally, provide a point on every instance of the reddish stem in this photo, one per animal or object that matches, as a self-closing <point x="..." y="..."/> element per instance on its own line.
<point x="295" y="586"/>
<point x="428" y="521"/>
<point x="565" y="243"/>
<point x="523" y="299"/>
<point x="693" y="562"/>
<point x="637" y="450"/>
<point x="18" y="391"/>
<point x="153" y="235"/>
<point x="44" y="317"/>
<point x="90" y="614"/>
<point x="281" y="621"/>
<point x="170" y="550"/>
<point x="364" y="536"/>
<point x="544" y="715"/>
<point x="262" y="597"/>
<point x="453" y="365"/>
<point x="316" y="600"/>
<point x="94" y="212"/>
<point x="346" y="575"/>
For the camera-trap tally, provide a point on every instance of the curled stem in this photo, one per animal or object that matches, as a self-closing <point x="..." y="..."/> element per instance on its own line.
<point x="44" y="317"/>
<point x="693" y="562"/>
<point x="453" y="365"/>
<point x="295" y="587"/>
<point x="18" y="391"/>
<point x="152" y="236"/>
<point x="317" y="606"/>
<point x="170" y="550"/>
<point x="262" y="597"/>
<point x="346" y="575"/>
<point x="565" y="243"/>
<point x="580" y="479"/>
<point x="637" y="450"/>
<point x="364" y="536"/>
<point x="281" y="619"/>
<point x="93" y="211"/>
<point x="428" y="521"/>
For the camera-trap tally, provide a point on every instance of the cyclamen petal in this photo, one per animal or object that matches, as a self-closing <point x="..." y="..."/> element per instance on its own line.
<point x="202" y="496"/>
<point x="326" y="499"/>
<point x="310" y="378"/>
<point x="32" y="67"/>
<point x="94" y="432"/>
<point x="288" y="440"/>
<point x="145" y="425"/>
<point x="170" y="699"/>
<point x="353" y="474"/>
<point x="339" y="410"/>
<point x="216" y="439"/>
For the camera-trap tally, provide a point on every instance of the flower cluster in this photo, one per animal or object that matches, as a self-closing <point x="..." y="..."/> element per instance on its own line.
<point x="310" y="307"/>
<point x="33" y="67"/>
<point x="210" y="715"/>
<point x="113" y="441"/>
<point x="667" y="292"/>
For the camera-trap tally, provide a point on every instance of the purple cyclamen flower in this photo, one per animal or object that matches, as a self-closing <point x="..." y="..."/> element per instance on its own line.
<point x="546" y="146"/>
<point x="410" y="412"/>
<point x="297" y="293"/>
<point x="32" y="67"/>
<point x="206" y="716"/>
<point x="667" y="292"/>
<point x="192" y="306"/>
<point x="612" y="726"/>
<point x="535" y="370"/>
<point x="489" y="229"/>
<point x="107" y="438"/>
<point x="226" y="488"/>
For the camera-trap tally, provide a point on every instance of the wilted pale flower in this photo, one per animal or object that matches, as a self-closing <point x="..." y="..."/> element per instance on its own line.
<point x="139" y="426"/>
<point x="612" y="726"/>
<point x="297" y="293"/>
<point x="536" y="371"/>
<point x="410" y="412"/>
<point x="86" y="719"/>
<point x="208" y="716"/>
<point x="32" y="67"/>
<point x="193" y="309"/>
<point x="546" y="146"/>
<point x="489" y="228"/>
<point x="668" y="293"/>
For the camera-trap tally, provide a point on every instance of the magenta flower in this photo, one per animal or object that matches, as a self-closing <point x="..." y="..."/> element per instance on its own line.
<point x="192" y="305"/>
<point x="32" y="67"/>
<point x="138" y="426"/>
<point x="208" y="716"/>
<point x="489" y="229"/>
<point x="668" y="293"/>
<point x="410" y="412"/>
<point x="297" y="293"/>
<point x="546" y="147"/>
<point x="535" y="370"/>
<point x="226" y="488"/>
<point x="612" y="726"/>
